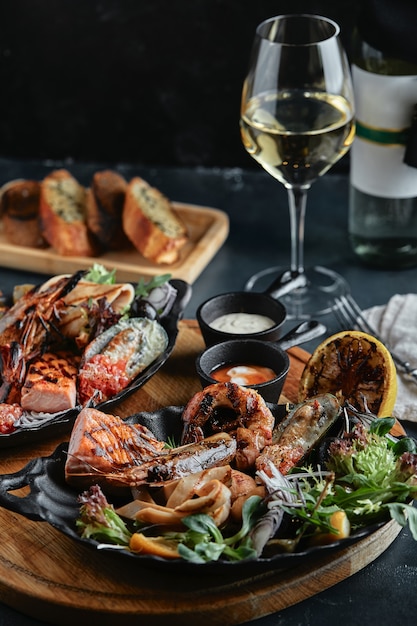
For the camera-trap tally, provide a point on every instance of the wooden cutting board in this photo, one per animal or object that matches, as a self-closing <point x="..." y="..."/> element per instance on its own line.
<point x="52" y="578"/>
<point x="207" y="230"/>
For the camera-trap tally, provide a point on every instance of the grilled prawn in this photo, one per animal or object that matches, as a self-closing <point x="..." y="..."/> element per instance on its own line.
<point x="24" y="331"/>
<point x="231" y="408"/>
<point x="106" y="450"/>
<point x="29" y="321"/>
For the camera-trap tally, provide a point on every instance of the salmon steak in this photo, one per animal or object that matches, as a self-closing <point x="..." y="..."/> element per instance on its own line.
<point x="51" y="384"/>
<point x="108" y="444"/>
<point x="104" y="449"/>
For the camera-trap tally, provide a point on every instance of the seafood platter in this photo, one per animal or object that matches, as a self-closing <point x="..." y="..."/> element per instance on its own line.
<point x="277" y="472"/>
<point x="74" y="475"/>
<point x="81" y="340"/>
<point x="263" y="494"/>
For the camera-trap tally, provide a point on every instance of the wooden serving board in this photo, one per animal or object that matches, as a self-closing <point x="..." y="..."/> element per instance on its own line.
<point x="53" y="578"/>
<point x="207" y="228"/>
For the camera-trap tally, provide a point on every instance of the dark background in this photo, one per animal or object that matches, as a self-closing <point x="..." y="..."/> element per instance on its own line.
<point x="153" y="82"/>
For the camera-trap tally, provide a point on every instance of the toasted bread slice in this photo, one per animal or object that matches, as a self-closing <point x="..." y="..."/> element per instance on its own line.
<point x="20" y="210"/>
<point x="105" y="200"/>
<point x="63" y="215"/>
<point x="151" y="223"/>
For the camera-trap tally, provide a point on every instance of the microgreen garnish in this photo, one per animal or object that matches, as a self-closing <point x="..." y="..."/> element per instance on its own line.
<point x="170" y="443"/>
<point x="98" y="519"/>
<point x="144" y="288"/>
<point x="99" y="274"/>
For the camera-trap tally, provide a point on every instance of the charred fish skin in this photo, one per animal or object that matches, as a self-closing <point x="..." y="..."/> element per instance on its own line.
<point x="299" y="432"/>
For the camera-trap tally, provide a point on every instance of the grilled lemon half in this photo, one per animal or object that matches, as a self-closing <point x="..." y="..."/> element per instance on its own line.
<point x="356" y="368"/>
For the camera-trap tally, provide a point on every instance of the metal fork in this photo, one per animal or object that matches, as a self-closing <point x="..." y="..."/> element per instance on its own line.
<point x="348" y="313"/>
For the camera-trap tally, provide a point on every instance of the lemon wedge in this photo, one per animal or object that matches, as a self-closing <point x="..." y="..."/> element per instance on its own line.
<point x="355" y="367"/>
<point x="158" y="546"/>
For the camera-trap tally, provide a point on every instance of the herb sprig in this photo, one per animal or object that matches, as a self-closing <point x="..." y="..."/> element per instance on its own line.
<point x="99" y="274"/>
<point x="144" y="288"/>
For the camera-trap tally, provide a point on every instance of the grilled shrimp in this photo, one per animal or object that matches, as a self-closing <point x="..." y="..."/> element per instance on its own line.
<point x="12" y="372"/>
<point x="29" y="320"/>
<point x="239" y="411"/>
<point x="23" y="332"/>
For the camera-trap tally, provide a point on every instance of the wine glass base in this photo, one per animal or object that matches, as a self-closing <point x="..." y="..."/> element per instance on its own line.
<point x="313" y="300"/>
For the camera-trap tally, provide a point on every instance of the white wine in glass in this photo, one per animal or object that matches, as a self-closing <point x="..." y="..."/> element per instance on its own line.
<point x="297" y="120"/>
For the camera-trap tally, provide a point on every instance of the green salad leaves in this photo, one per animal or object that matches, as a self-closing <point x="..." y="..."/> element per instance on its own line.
<point x="144" y="288"/>
<point x="98" y="520"/>
<point x="375" y="475"/>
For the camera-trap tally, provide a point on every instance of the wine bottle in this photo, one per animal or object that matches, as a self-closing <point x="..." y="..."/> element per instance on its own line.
<point x="383" y="189"/>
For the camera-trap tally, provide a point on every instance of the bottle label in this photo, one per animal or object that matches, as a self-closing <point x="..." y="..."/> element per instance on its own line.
<point x="384" y="109"/>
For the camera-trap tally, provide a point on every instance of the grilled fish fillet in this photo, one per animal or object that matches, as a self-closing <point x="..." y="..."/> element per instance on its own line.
<point x="50" y="385"/>
<point x="107" y="444"/>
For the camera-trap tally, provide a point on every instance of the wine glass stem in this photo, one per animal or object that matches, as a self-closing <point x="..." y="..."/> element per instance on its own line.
<point x="297" y="197"/>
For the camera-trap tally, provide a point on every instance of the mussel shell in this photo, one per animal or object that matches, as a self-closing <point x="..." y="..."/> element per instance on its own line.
<point x="142" y="308"/>
<point x="147" y="336"/>
<point x="309" y="421"/>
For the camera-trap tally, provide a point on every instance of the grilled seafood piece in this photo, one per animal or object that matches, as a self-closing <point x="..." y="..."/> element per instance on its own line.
<point x="103" y="449"/>
<point x="239" y="411"/>
<point x="119" y="295"/>
<point x="195" y="493"/>
<point x="298" y="433"/>
<point x="213" y="451"/>
<point x="208" y="495"/>
<point x="24" y="332"/>
<point x="79" y="304"/>
<point x="50" y="385"/>
<point x="112" y="360"/>
<point x="12" y="372"/>
<point x="108" y="444"/>
<point x="32" y="317"/>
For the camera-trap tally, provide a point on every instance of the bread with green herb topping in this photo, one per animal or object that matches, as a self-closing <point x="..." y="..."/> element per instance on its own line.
<point x="150" y="222"/>
<point x="63" y="215"/>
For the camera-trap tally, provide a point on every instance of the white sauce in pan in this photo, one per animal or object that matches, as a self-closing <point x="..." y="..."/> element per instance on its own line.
<point x="242" y="323"/>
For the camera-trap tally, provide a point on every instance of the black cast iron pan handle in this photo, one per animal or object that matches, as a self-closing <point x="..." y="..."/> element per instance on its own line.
<point x="305" y="331"/>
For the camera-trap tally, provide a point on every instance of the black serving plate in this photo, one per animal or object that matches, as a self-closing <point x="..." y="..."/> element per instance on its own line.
<point x="61" y="423"/>
<point x="52" y="500"/>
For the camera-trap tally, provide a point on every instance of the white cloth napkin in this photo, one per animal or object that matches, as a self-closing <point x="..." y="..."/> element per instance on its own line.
<point x="396" y="324"/>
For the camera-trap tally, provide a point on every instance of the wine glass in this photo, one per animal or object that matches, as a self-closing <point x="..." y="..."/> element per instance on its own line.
<point x="297" y="120"/>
